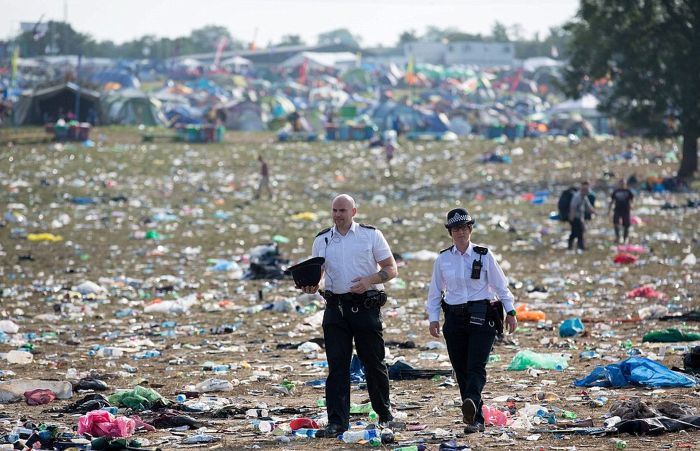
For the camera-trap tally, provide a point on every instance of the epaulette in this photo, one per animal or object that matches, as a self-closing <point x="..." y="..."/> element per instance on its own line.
<point x="367" y="226"/>
<point x="323" y="231"/>
<point x="446" y="249"/>
<point x="481" y="250"/>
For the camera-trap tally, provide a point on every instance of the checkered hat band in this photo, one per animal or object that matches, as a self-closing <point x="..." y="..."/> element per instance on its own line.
<point x="459" y="218"/>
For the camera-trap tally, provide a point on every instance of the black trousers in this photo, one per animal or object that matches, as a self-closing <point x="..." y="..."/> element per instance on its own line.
<point x="577" y="229"/>
<point x="469" y="347"/>
<point x="340" y="326"/>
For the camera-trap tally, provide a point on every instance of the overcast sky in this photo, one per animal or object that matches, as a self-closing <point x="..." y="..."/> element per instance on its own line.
<point x="376" y="21"/>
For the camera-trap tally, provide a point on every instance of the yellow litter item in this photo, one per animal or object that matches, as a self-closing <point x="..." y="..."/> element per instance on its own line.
<point x="306" y="216"/>
<point x="44" y="237"/>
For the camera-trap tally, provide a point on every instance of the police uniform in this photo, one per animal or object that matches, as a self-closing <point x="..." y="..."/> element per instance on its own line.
<point x="351" y="316"/>
<point x="464" y="285"/>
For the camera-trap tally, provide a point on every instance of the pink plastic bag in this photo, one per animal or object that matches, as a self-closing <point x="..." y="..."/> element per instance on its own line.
<point x="495" y="417"/>
<point x="100" y="423"/>
<point x="39" y="396"/>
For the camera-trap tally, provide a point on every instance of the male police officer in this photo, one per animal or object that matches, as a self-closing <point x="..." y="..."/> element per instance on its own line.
<point x="465" y="279"/>
<point x="358" y="262"/>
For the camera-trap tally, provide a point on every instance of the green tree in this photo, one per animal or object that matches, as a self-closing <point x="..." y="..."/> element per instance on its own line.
<point x="407" y="36"/>
<point x="650" y="51"/>
<point x="499" y="32"/>
<point x="205" y="39"/>
<point x="60" y="38"/>
<point x="290" y="40"/>
<point x="339" y="36"/>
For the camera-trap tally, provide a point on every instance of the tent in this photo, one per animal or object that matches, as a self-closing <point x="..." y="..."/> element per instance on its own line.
<point x="46" y="105"/>
<point x="131" y="107"/>
<point x="246" y="116"/>
<point x="316" y="60"/>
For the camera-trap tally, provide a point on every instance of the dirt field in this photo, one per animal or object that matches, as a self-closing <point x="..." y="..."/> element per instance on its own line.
<point x="107" y="201"/>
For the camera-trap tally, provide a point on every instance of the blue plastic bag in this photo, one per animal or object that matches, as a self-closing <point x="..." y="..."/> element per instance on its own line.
<point x="635" y="371"/>
<point x="571" y="328"/>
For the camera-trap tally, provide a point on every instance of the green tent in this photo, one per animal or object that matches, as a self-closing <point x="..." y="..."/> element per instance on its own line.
<point x="132" y="107"/>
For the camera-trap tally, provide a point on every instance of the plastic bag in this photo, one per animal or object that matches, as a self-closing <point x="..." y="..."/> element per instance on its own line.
<point x="139" y="398"/>
<point x="100" y="423"/>
<point x="669" y="336"/>
<point x="494" y="416"/>
<point x="635" y="371"/>
<point x="571" y="327"/>
<point x="528" y="359"/>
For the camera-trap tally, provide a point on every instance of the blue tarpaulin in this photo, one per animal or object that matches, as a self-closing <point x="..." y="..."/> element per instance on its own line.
<point x="635" y="371"/>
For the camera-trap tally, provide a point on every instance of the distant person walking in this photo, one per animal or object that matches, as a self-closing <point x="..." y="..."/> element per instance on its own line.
<point x="390" y="146"/>
<point x="264" y="183"/>
<point x="580" y="211"/>
<point x="622" y="198"/>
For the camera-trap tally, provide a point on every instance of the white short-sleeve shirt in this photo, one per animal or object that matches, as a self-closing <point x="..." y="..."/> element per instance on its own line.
<point x="452" y="277"/>
<point x="347" y="257"/>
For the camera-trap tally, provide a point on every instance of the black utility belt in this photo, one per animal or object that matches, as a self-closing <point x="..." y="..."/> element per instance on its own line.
<point x="368" y="299"/>
<point x="478" y="313"/>
<point x="467" y="307"/>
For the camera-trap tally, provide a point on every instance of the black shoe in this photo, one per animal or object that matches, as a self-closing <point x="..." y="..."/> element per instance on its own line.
<point x="331" y="431"/>
<point x="468" y="411"/>
<point x="474" y="427"/>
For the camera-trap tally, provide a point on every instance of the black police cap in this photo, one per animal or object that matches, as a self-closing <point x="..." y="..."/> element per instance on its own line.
<point x="458" y="217"/>
<point x="307" y="273"/>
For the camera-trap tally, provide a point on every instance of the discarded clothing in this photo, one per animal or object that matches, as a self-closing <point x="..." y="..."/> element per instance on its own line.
<point x="403" y="371"/>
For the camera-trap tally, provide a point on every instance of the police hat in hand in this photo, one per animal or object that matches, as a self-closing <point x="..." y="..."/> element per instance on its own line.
<point x="307" y="273"/>
<point x="458" y="217"/>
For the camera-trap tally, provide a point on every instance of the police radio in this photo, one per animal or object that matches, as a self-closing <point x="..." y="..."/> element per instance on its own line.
<point x="477" y="265"/>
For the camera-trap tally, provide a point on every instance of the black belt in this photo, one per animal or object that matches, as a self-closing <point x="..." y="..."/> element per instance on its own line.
<point x="463" y="309"/>
<point x="368" y="299"/>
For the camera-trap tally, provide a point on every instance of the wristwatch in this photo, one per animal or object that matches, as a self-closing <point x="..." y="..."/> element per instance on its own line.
<point x="512" y="313"/>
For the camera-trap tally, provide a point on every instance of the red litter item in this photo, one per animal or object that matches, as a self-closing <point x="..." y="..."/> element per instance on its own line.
<point x="624" y="258"/>
<point x="39" y="396"/>
<point x="299" y="423"/>
<point x="645" y="291"/>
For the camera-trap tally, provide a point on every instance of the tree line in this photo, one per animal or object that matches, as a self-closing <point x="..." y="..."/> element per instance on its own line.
<point x="60" y="38"/>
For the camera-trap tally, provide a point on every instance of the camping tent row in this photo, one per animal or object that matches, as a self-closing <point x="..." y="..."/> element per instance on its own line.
<point x="127" y="107"/>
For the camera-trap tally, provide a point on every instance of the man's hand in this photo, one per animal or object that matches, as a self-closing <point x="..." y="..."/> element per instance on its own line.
<point x="309" y="289"/>
<point x="511" y="323"/>
<point x="435" y="328"/>
<point x="360" y="284"/>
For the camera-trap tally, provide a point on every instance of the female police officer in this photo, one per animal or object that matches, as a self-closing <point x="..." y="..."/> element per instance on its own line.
<point x="465" y="279"/>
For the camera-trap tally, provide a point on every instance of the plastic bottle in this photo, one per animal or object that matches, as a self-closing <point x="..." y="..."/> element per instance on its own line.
<point x="110" y="352"/>
<point x="410" y="448"/>
<point x="210" y="385"/>
<point x="588" y="355"/>
<point x="568" y="414"/>
<point x="356" y="436"/>
<point x="111" y="409"/>
<point x="620" y="444"/>
<point x="147" y="354"/>
<point x="306" y="432"/>
<point x="372" y="417"/>
<point x="180" y="398"/>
